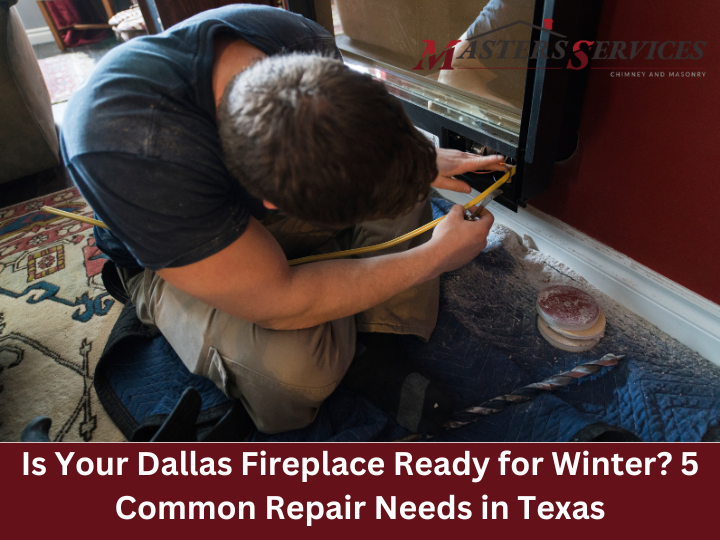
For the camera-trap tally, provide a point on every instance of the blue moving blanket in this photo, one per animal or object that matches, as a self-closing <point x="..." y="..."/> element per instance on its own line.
<point x="486" y="344"/>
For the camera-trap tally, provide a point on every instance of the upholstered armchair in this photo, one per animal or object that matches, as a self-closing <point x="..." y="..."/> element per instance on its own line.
<point x="28" y="140"/>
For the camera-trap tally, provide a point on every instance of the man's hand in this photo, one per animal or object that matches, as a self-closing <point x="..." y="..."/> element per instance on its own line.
<point x="452" y="162"/>
<point x="455" y="241"/>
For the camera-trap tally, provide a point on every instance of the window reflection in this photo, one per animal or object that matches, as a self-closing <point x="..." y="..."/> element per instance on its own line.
<point x="491" y="47"/>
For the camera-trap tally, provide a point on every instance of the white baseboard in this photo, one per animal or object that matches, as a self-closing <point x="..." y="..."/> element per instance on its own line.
<point x="40" y="35"/>
<point x="682" y="314"/>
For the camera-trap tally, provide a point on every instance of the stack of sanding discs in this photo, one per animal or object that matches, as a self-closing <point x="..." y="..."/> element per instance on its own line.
<point x="569" y="319"/>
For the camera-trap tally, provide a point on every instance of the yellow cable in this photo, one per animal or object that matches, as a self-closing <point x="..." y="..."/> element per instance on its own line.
<point x="403" y="238"/>
<point x="76" y="217"/>
<point x="337" y="254"/>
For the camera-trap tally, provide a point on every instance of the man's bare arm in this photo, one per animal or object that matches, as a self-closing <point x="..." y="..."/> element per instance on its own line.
<point x="251" y="279"/>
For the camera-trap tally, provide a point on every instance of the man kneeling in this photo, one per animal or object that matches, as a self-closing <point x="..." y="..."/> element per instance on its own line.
<point x="235" y="141"/>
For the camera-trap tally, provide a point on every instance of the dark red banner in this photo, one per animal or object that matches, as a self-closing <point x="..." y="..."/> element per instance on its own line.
<point x="350" y="490"/>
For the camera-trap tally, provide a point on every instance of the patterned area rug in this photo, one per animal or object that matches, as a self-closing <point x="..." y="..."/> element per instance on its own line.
<point x="60" y="77"/>
<point x="65" y="72"/>
<point x="55" y="317"/>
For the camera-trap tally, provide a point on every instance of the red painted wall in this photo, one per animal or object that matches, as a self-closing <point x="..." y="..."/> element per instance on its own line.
<point x="646" y="177"/>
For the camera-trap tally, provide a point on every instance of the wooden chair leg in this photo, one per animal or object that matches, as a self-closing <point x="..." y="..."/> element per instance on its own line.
<point x="147" y="16"/>
<point x="109" y="8"/>
<point x="51" y="24"/>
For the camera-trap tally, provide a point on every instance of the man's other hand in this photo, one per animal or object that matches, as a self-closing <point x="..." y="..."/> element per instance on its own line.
<point x="456" y="241"/>
<point x="452" y="162"/>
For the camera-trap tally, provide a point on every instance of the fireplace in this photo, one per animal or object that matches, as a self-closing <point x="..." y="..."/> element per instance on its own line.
<point x="499" y="76"/>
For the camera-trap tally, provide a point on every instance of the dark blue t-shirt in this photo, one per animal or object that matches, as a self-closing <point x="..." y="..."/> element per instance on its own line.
<point x="140" y="139"/>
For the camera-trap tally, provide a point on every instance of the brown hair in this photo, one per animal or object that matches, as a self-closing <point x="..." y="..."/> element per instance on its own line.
<point x="322" y="142"/>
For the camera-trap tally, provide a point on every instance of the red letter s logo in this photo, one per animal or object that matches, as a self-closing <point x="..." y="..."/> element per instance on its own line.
<point x="581" y="55"/>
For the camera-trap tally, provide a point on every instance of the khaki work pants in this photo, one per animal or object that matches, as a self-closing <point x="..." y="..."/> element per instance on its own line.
<point x="283" y="376"/>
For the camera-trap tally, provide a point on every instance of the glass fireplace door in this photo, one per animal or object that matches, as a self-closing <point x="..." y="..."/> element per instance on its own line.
<point x="409" y="44"/>
<point x="486" y="76"/>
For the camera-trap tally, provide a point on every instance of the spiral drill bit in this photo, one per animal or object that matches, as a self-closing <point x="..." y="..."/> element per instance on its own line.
<point x="531" y="391"/>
